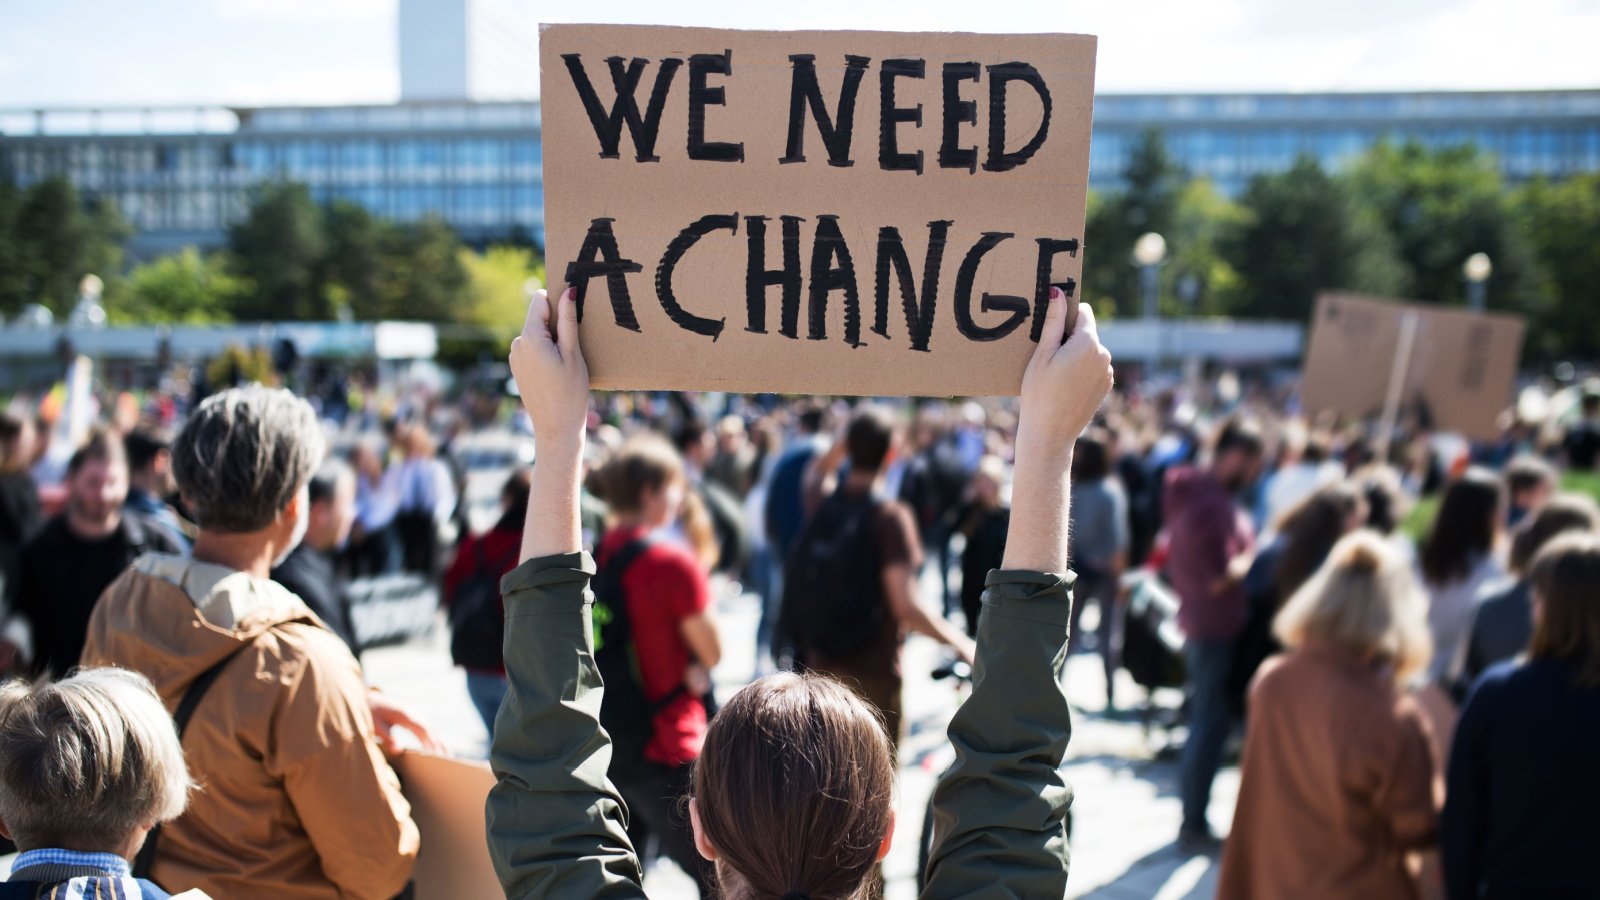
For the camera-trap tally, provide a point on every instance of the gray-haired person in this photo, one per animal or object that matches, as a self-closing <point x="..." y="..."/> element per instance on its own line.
<point x="271" y="706"/>
<point x="88" y="766"/>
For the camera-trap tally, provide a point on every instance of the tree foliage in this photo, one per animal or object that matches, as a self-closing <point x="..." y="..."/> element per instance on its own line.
<point x="1303" y="232"/>
<point x="49" y="239"/>
<point x="184" y="288"/>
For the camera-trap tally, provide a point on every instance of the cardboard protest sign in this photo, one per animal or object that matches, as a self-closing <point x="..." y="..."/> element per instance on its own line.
<point x="447" y="803"/>
<point x="1458" y="373"/>
<point x="813" y="211"/>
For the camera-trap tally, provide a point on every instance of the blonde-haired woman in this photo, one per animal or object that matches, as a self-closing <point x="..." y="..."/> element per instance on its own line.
<point x="1338" y="782"/>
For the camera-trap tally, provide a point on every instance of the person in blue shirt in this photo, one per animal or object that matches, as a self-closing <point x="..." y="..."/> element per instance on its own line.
<point x="1522" y="813"/>
<point x="88" y="767"/>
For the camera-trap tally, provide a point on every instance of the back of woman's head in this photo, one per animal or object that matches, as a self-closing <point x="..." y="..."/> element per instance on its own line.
<point x="1566" y="585"/>
<point x="644" y="464"/>
<point x="1564" y="513"/>
<point x="793" y="790"/>
<point x="1311" y="528"/>
<point x="1465" y="528"/>
<point x="1365" y="600"/>
<point x="1091" y="457"/>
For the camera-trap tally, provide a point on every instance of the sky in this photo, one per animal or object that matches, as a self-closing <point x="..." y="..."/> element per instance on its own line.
<point x="261" y="52"/>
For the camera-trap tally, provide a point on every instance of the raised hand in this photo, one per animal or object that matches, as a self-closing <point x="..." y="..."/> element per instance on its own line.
<point x="548" y="366"/>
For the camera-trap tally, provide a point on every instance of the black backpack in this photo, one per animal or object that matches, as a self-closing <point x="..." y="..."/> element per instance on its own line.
<point x="833" y="599"/>
<point x="626" y="714"/>
<point x="477" y="621"/>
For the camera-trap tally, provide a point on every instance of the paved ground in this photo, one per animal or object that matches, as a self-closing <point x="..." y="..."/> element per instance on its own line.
<point x="1126" y="813"/>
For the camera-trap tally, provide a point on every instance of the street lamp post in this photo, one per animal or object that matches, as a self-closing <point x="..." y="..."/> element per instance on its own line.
<point x="1476" y="270"/>
<point x="1148" y="252"/>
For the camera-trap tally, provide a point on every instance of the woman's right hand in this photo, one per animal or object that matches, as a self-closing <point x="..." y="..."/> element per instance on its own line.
<point x="550" y="373"/>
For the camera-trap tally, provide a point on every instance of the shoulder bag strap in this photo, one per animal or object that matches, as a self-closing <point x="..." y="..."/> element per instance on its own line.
<point x="186" y="707"/>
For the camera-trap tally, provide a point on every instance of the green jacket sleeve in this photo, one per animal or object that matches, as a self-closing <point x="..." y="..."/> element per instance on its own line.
<point x="557" y="827"/>
<point x="999" y="812"/>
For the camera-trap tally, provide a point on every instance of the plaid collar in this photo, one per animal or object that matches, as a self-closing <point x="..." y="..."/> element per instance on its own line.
<point x="108" y="864"/>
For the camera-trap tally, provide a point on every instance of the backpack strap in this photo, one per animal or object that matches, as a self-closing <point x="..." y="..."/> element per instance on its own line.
<point x="616" y="567"/>
<point x="191" y="699"/>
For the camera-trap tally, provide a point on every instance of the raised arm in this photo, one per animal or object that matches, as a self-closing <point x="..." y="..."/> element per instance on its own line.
<point x="557" y="827"/>
<point x="1000" y="809"/>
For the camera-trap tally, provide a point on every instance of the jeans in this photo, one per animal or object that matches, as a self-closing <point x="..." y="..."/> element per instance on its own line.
<point x="1101" y="589"/>
<point x="487" y="690"/>
<point x="1209" y="718"/>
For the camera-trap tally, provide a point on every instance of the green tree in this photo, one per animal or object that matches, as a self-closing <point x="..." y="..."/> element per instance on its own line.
<point x="353" y="269"/>
<point x="1562" y="220"/>
<point x="1441" y="206"/>
<point x="1302" y="233"/>
<point x="280" y="249"/>
<point x="56" y="240"/>
<point x="1197" y="278"/>
<point x="1149" y="202"/>
<point x="495" y="296"/>
<point x="426" y="280"/>
<point x="184" y="288"/>
<point x="14" y="294"/>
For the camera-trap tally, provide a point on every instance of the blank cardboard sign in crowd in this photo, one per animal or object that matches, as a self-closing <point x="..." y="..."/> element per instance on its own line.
<point x="1453" y="369"/>
<point x="813" y="211"/>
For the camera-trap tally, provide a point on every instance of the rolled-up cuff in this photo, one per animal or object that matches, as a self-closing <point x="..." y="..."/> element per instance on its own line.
<point x="536" y="586"/>
<point x="1025" y="594"/>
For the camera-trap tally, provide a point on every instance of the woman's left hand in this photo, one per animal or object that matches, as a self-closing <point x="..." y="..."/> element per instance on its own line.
<point x="548" y="366"/>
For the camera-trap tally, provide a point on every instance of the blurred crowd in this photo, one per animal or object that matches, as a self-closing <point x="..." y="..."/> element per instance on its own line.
<point x="1399" y="682"/>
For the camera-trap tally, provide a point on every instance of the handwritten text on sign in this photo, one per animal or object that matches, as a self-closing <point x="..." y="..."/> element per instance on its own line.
<point x="828" y="212"/>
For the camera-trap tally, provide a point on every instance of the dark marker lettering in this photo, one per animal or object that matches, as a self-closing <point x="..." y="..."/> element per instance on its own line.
<point x="1000" y="76"/>
<point x="1049" y="248"/>
<point x="957" y="111"/>
<point x="827" y="278"/>
<point x="1017" y="306"/>
<point x="890" y="159"/>
<point x="701" y="96"/>
<point x="919" y="315"/>
<point x="757" y="277"/>
<point x="836" y="131"/>
<point x="599" y="257"/>
<point x="625" y="109"/>
<point x="688" y="321"/>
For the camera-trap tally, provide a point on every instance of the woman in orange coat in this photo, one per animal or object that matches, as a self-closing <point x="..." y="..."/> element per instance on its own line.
<point x="1338" y="781"/>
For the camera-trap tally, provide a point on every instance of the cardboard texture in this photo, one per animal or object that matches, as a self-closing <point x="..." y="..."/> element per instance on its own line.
<point x="1460" y="376"/>
<point x="709" y="161"/>
<point x="447" y="803"/>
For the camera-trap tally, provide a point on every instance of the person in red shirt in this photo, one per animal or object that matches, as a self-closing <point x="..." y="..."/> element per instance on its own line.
<point x="668" y="598"/>
<point x="495" y="550"/>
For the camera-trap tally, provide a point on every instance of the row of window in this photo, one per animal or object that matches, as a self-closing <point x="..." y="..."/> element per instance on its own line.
<point x="1227" y="153"/>
<point x="1134" y="108"/>
<point x="94" y="164"/>
<point x="463" y="207"/>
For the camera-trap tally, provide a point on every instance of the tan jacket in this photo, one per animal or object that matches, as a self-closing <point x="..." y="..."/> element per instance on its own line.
<point x="1338" y="784"/>
<point x="296" y="799"/>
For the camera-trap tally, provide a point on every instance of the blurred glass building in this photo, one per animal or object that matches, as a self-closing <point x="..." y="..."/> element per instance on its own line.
<point x="181" y="176"/>
<point x="1230" y="138"/>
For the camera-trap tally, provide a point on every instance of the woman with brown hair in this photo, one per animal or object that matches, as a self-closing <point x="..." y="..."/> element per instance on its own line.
<point x="1338" y="779"/>
<point x="1305" y="536"/>
<point x="792" y="791"/>
<point x="1523" y="817"/>
<point x="1459" y="558"/>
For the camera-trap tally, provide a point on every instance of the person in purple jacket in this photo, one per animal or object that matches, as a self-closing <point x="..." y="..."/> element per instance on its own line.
<point x="1207" y="531"/>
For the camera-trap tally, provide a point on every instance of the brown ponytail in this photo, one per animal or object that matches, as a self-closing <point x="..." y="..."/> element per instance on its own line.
<point x="793" y="790"/>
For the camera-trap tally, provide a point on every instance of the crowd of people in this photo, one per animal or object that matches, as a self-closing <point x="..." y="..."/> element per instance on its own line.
<point x="1413" y="705"/>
